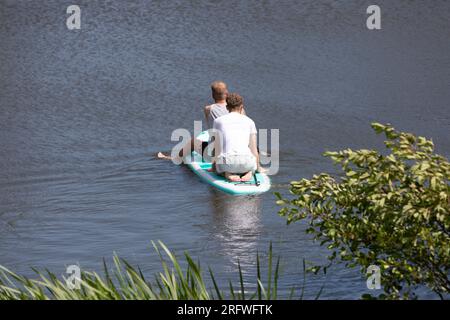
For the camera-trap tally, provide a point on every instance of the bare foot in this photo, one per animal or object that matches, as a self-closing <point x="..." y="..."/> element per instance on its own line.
<point x="232" y="177"/>
<point x="161" y="155"/>
<point x="247" y="177"/>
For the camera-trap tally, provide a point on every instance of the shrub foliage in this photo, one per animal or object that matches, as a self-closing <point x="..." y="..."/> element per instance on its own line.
<point x="391" y="210"/>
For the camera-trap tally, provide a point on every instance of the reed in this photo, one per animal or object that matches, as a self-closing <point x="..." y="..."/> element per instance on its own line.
<point x="126" y="282"/>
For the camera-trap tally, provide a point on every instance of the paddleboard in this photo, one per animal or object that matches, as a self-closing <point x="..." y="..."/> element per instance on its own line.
<point x="259" y="183"/>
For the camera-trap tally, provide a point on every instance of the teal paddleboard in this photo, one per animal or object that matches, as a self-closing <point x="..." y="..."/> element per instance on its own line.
<point x="259" y="183"/>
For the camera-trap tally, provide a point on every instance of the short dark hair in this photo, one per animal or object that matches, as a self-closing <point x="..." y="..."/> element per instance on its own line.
<point x="219" y="90"/>
<point x="234" y="101"/>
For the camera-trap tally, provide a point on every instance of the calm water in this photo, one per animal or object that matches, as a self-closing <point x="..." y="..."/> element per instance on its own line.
<point x="82" y="114"/>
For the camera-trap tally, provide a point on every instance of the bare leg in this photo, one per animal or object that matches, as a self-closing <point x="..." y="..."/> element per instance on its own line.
<point x="247" y="177"/>
<point x="213" y="168"/>
<point x="188" y="146"/>
<point x="232" y="177"/>
<point x="163" y="156"/>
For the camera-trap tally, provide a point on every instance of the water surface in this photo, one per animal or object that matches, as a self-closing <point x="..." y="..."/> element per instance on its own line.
<point x="83" y="112"/>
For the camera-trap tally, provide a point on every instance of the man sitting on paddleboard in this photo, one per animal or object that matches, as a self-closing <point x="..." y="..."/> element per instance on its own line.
<point x="235" y="142"/>
<point x="219" y="107"/>
<point x="213" y="111"/>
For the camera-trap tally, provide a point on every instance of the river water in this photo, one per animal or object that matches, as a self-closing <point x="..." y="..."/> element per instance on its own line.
<point x="83" y="112"/>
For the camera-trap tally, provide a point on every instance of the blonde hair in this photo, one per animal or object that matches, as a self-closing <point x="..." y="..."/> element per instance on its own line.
<point x="219" y="90"/>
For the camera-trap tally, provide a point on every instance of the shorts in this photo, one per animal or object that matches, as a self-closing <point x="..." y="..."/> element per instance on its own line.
<point x="236" y="163"/>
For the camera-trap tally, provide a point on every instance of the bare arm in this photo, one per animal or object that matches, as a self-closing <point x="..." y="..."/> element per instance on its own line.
<point x="207" y="110"/>
<point x="217" y="146"/>
<point x="254" y="149"/>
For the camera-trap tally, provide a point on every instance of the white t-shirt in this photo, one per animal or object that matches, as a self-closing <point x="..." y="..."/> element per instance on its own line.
<point x="236" y="130"/>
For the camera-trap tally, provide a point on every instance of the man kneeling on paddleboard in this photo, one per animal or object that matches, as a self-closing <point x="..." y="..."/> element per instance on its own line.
<point x="235" y="142"/>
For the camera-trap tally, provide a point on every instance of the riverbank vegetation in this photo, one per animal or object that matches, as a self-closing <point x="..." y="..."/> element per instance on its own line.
<point x="127" y="282"/>
<point x="387" y="211"/>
